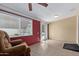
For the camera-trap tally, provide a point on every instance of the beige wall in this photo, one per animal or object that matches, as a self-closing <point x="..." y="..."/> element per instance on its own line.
<point x="64" y="30"/>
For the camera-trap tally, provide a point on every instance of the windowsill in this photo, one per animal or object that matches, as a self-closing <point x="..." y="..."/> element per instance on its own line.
<point x="11" y="36"/>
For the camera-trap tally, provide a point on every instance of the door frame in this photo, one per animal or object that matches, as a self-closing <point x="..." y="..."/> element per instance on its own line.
<point x="41" y="31"/>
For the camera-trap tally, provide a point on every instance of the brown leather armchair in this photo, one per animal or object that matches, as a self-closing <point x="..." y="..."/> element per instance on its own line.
<point x="12" y="48"/>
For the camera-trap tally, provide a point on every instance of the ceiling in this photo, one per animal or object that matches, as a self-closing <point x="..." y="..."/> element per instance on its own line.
<point x="53" y="12"/>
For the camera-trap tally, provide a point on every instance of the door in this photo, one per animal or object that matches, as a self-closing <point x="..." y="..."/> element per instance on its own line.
<point x="44" y="32"/>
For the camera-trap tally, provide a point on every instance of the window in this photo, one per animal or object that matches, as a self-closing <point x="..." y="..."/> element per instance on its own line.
<point x="26" y="26"/>
<point x="15" y="26"/>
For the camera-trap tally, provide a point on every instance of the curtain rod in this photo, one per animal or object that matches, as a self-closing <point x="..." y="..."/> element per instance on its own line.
<point x="15" y="14"/>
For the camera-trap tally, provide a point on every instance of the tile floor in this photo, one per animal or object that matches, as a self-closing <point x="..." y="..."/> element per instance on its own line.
<point x="51" y="48"/>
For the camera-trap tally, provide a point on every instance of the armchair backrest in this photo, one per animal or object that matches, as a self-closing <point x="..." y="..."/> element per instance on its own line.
<point x="4" y="41"/>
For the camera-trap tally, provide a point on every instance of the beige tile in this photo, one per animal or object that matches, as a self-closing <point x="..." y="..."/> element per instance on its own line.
<point x="51" y="48"/>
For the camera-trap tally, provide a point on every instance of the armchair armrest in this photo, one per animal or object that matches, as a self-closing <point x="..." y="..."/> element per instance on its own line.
<point x="16" y="42"/>
<point x="16" y="50"/>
